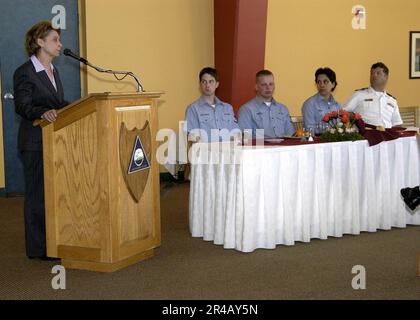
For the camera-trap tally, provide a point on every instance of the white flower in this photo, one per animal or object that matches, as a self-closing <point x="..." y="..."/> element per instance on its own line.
<point x="339" y="124"/>
<point x="332" y="130"/>
<point x="340" y="130"/>
<point x="349" y="130"/>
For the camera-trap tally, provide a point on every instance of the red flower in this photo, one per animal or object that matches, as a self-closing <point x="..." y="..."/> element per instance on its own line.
<point x="343" y="112"/>
<point x="334" y="114"/>
<point x="326" y="117"/>
<point x="345" y="118"/>
<point x="357" y="116"/>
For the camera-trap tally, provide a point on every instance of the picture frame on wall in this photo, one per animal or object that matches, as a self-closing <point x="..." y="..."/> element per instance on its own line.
<point x="414" y="54"/>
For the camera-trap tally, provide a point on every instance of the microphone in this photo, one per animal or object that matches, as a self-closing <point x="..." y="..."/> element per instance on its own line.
<point x="68" y="52"/>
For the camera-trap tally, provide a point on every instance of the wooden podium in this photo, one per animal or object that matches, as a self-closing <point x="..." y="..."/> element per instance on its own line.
<point x="102" y="181"/>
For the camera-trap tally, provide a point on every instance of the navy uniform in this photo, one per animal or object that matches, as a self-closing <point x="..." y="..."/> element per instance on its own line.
<point x="208" y="121"/>
<point x="314" y="109"/>
<point x="376" y="108"/>
<point x="272" y="116"/>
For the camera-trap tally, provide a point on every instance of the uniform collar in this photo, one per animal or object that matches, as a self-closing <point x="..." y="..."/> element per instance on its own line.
<point x="378" y="93"/>
<point x="204" y="102"/>
<point x="321" y="99"/>
<point x="261" y="102"/>
<point x="38" y="65"/>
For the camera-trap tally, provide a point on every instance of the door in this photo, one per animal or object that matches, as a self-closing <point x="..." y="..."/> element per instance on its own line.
<point x="16" y="17"/>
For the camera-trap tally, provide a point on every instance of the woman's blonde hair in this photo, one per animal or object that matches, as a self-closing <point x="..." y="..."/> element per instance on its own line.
<point x="38" y="31"/>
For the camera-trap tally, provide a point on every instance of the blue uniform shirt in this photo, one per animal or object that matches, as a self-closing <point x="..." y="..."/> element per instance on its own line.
<point x="274" y="119"/>
<point x="314" y="109"/>
<point x="201" y="118"/>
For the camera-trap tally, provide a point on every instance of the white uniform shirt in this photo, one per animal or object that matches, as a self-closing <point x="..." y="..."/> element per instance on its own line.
<point x="376" y="108"/>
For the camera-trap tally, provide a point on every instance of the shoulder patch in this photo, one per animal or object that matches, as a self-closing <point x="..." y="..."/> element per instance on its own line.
<point x="391" y="95"/>
<point x="361" y="89"/>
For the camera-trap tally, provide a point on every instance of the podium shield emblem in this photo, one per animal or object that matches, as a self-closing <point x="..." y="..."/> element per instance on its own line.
<point x="135" y="158"/>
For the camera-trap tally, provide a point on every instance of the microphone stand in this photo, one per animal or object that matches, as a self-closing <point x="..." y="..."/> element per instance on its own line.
<point x="69" y="53"/>
<point x="125" y="73"/>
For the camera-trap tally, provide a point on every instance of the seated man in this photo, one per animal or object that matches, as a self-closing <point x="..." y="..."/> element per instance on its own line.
<point x="376" y="106"/>
<point x="263" y="112"/>
<point x="209" y="119"/>
<point x="411" y="197"/>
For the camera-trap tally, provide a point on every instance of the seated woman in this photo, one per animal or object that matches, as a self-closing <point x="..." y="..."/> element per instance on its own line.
<point x="315" y="107"/>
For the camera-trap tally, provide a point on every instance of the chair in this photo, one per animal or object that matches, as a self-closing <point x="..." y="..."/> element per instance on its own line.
<point x="186" y="167"/>
<point x="410" y="116"/>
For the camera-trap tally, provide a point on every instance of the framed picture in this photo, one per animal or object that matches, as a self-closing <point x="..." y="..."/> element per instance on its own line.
<point x="415" y="55"/>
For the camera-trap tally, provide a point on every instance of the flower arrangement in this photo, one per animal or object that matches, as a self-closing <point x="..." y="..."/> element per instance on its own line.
<point x="343" y="126"/>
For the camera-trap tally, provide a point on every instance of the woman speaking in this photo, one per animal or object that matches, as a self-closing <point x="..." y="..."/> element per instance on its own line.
<point x="38" y="93"/>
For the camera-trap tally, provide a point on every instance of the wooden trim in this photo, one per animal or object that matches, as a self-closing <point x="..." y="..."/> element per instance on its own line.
<point x="155" y="176"/>
<point x="49" y="189"/>
<point x="128" y="249"/>
<point x="418" y="271"/>
<point x="105" y="148"/>
<point x="410" y="60"/>
<point x="106" y="267"/>
<point x="73" y="115"/>
<point x="2" y="165"/>
<point x="128" y="109"/>
<point x="79" y="253"/>
<point x="82" y="46"/>
<point x="114" y="192"/>
<point x="101" y="96"/>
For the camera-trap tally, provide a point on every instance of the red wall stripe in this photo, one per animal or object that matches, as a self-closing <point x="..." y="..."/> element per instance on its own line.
<point x="239" y="42"/>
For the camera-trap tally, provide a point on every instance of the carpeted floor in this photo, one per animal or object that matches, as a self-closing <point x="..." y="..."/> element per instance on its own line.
<point x="190" y="268"/>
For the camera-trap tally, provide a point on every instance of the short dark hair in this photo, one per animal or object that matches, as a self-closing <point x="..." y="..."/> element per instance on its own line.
<point x="263" y="73"/>
<point x="329" y="73"/>
<point x="380" y="65"/>
<point x="37" y="31"/>
<point x="210" y="71"/>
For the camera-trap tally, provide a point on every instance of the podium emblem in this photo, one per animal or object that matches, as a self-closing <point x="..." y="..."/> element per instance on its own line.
<point x="135" y="152"/>
<point x="139" y="159"/>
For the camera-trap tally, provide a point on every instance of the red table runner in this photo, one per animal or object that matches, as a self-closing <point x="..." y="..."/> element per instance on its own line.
<point x="372" y="136"/>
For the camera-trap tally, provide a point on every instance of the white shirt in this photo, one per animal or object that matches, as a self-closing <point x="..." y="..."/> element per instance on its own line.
<point x="39" y="67"/>
<point x="376" y="108"/>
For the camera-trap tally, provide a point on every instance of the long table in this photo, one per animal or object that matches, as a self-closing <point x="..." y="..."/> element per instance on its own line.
<point x="259" y="197"/>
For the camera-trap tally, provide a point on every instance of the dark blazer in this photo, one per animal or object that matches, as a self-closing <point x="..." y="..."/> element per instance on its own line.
<point x="34" y="94"/>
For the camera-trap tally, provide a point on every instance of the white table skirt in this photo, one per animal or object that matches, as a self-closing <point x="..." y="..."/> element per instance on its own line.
<point x="279" y="195"/>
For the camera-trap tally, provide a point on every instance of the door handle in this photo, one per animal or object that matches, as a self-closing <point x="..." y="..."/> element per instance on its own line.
<point x="8" y="96"/>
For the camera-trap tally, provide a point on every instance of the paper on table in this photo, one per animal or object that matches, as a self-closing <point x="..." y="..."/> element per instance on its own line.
<point x="412" y="129"/>
<point x="276" y="140"/>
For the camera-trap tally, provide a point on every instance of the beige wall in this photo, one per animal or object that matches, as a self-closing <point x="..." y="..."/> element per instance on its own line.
<point x="167" y="42"/>
<point x="164" y="42"/>
<point x="303" y="35"/>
